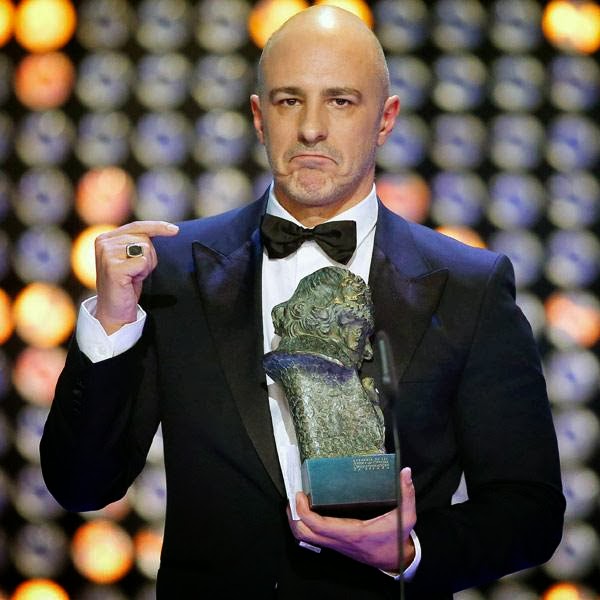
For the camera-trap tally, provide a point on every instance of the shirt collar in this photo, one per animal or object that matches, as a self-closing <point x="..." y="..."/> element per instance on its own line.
<point x="364" y="213"/>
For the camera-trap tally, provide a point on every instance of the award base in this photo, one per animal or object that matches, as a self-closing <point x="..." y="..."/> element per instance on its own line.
<point x="357" y="486"/>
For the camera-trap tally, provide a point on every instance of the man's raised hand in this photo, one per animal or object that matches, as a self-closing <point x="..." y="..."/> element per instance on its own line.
<point x="119" y="277"/>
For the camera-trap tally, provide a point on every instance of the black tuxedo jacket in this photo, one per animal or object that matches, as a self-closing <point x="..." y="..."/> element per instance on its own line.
<point x="472" y="400"/>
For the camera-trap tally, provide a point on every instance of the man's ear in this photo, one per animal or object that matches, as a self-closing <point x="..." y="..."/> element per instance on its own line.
<point x="257" y="118"/>
<point x="391" y="108"/>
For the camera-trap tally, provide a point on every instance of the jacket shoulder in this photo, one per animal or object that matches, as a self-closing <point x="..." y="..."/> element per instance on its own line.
<point x="442" y="251"/>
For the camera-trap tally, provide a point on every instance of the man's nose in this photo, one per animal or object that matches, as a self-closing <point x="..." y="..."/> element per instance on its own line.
<point x="313" y="125"/>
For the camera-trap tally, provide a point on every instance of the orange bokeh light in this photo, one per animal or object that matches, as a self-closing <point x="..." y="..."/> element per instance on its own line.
<point x="357" y="7"/>
<point x="148" y="545"/>
<point x="574" y="317"/>
<point x="83" y="255"/>
<point x="268" y="15"/>
<point x="105" y="195"/>
<point x="406" y="195"/>
<point x="567" y="591"/>
<point x="43" y="25"/>
<point x="572" y="25"/>
<point x="39" y="589"/>
<point x="6" y="320"/>
<point x="44" y="81"/>
<point x="44" y="315"/>
<point x="462" y="234"/>
<point x="102" y="551"/>
<point x="7" y="17"/>
<point x="36" y="372"/>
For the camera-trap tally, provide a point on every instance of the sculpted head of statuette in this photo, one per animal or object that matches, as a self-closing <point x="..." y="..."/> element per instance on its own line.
<point x="330" y="314"/>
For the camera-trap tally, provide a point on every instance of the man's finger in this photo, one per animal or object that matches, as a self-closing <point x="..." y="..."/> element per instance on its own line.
<point x="324" y="528"/>
<point x="406" y="478"/>
<point x="149" y="228"/>
<point x="408" y="488"/>
<point x="312" y="519"/>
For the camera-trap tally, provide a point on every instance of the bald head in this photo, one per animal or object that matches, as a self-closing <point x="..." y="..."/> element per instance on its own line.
<point x="322" y="111"/>
<point x="332" y="26"/>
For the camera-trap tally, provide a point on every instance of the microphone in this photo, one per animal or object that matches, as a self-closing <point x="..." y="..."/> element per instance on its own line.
<point x="389" y="387"/>
<point x="389" y="382"/>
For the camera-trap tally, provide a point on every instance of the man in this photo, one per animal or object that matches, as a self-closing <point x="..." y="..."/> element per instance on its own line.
<point x="472" y="395"/>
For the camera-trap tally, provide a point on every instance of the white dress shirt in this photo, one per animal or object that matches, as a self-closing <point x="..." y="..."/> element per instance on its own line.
<point x="279" y="280"/>
<point x="280" y="276"/>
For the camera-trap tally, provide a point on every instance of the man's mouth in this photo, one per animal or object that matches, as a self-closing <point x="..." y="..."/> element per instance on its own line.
<point x="310" y="160"/>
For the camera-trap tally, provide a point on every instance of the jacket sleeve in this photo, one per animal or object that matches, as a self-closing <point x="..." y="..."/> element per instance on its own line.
<point x="507" y="446"/>
<point x="100" y="426"/>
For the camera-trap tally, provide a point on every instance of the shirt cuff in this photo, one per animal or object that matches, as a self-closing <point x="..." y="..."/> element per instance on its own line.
<point x="95" y="343"/>
<point x="410" y="571"/>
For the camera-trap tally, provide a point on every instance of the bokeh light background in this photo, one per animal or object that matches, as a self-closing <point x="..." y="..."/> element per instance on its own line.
<point x="112" y="111"/>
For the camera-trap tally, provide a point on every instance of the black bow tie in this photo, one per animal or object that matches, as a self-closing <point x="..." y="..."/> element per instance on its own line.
<point x="282" y="237"/>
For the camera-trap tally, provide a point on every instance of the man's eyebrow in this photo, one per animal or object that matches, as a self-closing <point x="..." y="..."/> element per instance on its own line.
<point x="326" y="93"/>
<point x="291" y="90"/>
<point x="341" y="91"/>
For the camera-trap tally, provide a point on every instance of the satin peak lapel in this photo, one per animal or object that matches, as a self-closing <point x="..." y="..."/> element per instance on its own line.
<point x="406" y="292"/>
<point x="230" y="290"/>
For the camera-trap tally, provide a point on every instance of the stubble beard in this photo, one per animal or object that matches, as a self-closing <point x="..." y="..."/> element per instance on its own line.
<point x="313" y="187"/>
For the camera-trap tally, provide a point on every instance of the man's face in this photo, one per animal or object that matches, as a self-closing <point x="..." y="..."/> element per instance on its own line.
<point x="321" y="116"/>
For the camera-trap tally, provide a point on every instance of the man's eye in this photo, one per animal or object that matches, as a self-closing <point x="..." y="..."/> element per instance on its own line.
<point x="289" y="101"/>
<point x="341" y="101"/>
